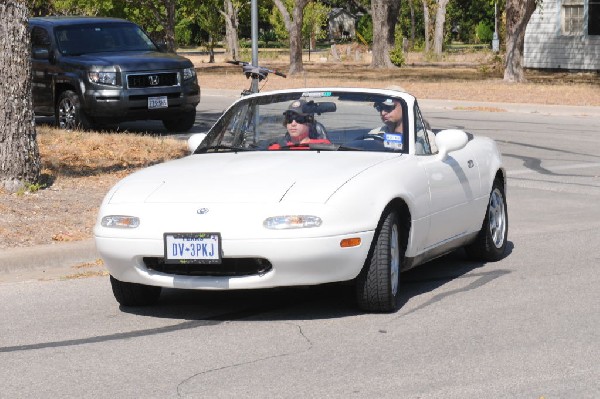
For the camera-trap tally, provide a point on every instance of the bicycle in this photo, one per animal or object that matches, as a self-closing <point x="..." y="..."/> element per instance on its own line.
<point x="255" y="72"/>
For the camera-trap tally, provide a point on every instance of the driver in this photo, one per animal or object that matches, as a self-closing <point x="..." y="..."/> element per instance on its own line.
<point x="390" y="111"/>
<point x="301" y="127"/>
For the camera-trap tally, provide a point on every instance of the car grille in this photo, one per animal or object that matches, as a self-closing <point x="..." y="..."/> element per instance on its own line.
<point x="140" y="81"/>
<point x="228" y="267"/>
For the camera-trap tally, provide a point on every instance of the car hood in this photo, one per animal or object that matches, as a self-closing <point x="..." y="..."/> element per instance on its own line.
<point x="247" y="177"/>
<point x="136" y="61"/>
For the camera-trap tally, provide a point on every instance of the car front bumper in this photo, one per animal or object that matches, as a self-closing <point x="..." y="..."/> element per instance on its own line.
<point x="295" y="262"/>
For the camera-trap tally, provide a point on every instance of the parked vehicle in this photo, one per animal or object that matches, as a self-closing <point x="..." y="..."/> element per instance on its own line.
<point x="253" y="207"/>
<point x="91" y="71"/>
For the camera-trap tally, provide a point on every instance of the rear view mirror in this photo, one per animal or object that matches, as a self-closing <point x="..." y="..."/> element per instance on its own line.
<point x="312" y="107"/>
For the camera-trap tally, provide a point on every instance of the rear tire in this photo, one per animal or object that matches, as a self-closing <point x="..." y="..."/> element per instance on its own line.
<point x="133" y="294"/>
<point x="69" y="113"/>
<point x="490" y="244"/>
<point x="183" y="123"/>
<point x="377" y="286"/>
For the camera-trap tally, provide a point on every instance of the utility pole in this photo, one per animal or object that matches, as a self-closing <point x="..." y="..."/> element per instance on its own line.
<point x="495" y="40"/>
<point x="254" y="31"/>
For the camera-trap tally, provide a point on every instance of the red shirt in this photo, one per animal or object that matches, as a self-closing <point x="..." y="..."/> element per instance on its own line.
<point x="299" y="146"/>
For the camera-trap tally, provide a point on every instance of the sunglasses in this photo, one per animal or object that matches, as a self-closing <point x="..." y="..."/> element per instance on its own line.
<point x="382" y="107"/>
<point x="289" y="117"/>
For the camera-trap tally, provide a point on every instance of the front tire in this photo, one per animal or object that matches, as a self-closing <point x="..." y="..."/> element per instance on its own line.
<point x="490" y="244"/>
<point x="133" y="294"/>
<point x="377" y="286"/>
<point x="69" y="113"/>
<point x="181" y="124"/>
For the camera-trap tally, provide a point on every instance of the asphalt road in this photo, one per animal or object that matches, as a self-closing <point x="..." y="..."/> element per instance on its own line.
<point x="525" y="327"/>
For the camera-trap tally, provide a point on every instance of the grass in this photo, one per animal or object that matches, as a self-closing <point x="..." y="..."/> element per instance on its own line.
<point x="81" y="154"/>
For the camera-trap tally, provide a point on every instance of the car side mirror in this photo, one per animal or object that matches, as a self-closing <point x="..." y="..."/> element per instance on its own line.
<point x="40" y="53"/>
<point x="450" y="140"/>
<point x="195" y="140"/>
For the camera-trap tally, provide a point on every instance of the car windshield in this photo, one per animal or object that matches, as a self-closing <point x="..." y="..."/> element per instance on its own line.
<point x="100" y="38"/>
<point x="312" y="120"/>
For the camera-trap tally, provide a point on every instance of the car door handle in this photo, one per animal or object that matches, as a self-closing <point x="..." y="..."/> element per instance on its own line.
<point x="470" y="164"/>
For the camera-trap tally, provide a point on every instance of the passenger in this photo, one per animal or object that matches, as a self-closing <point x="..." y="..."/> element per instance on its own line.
<point x="301" y="128"/>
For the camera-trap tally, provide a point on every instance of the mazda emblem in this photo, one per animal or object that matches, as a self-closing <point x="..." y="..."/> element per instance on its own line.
<point x="153" y="80"/>
<point x="202" y="211"/>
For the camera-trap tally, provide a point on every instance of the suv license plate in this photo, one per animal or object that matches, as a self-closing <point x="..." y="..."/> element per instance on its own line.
<point x="192" y="248"/>
<point x="158" y="102"/>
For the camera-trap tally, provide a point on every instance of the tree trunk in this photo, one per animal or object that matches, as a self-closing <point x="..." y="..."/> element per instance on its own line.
<point x="440" y="19"/>
<point x="427" y="25"/>
<point x="293" y="23"/>
<point x="518" y="13"/>
<point x="19" y="155"/>
<point x="231" y="29"/>
<point x="385" y="15"/>
<point x="412" y="23"/>
<point x="169" y="25"/>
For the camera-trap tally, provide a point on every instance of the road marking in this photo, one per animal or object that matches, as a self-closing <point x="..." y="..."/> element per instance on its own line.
<point x="554" y="168"/>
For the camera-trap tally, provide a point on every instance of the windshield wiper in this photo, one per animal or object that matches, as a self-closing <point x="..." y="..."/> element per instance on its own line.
<point x="221" y="147"/>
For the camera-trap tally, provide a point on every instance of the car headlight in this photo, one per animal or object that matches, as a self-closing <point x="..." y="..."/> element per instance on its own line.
<point x="189" y="73"/>
<point x="292" y="222"/>
<point x="103" y="78"/>
<point x="120" y="221"/>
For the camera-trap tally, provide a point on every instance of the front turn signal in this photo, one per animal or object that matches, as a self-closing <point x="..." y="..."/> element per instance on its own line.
<point x="350" y="242"/>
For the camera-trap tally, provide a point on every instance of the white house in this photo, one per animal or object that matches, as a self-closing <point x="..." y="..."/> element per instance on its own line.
<point x="564" y="34"/>
<point x="341" y="24"/>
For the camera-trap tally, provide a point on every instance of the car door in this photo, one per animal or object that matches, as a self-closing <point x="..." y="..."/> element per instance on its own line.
<point x="454" y="183"/>
<point x="41" y="71"/>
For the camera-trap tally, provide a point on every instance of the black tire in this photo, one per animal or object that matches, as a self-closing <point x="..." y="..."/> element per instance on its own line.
<point x="183" y="123"/>
<point x="490" y="244"/>
<point x="69" y="114"/>
<point x="133" y="294"/>
<point x="377" y="286"/>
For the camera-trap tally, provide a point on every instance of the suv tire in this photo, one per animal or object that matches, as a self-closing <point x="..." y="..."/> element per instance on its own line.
<point x="69" y="114"/>
<point x="182" y="124"/>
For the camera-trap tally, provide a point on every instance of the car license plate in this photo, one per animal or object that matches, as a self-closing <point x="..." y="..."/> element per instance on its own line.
<point x="158" y="102"/>
<point x="181" y="248"/>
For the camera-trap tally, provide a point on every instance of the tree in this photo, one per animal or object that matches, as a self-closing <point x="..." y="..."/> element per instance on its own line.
<point x="293" y="23"/>
<point x="518" y="13"/>
<point x="19" y="155"/>
<point x="315" y="16"/>
<point x="385" y="16"/>
<point x="434" y="15"/>
<point x="230" y="13"/>
<point x="210" y="20"/>
<point x="440" y="19"/>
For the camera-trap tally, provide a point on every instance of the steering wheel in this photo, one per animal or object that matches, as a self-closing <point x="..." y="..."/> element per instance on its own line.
<point x="372" y="137"/>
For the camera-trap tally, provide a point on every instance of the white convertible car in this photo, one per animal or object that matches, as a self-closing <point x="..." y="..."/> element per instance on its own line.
<point x="362" y="192"/>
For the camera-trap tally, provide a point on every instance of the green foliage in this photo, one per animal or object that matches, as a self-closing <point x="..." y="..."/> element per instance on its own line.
<point x="397" y="53"/>
<point x="484" y="32"/>
<point x="30" y="188"/>
<point x="314" y="21"/>
<point x="364" y="28"/>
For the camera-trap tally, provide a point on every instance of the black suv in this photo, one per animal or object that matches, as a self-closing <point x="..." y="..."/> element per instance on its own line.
<point x="97" y="71"/>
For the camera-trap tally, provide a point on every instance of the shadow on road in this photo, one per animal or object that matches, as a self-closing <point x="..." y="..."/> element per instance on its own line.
<point x="319" y="302"/>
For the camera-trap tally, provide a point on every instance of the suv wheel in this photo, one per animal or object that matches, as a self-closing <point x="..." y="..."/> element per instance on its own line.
<point x="181" y="124"/>
<point x="69" y="114"/>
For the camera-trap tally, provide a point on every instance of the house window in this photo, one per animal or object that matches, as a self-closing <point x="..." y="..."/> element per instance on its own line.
<point x="594" y="17"/>
<point x="572" y="17"/>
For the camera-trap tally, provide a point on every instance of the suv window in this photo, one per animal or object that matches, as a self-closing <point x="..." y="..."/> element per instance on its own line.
<point x="97" y="38"/>
<point x="40" y="37"/>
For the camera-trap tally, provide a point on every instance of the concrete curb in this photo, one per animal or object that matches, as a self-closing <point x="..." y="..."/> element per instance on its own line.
<point x="47" y="256"/>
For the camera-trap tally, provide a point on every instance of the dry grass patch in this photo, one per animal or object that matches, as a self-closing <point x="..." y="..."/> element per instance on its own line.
<point x="78" y="168"/>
